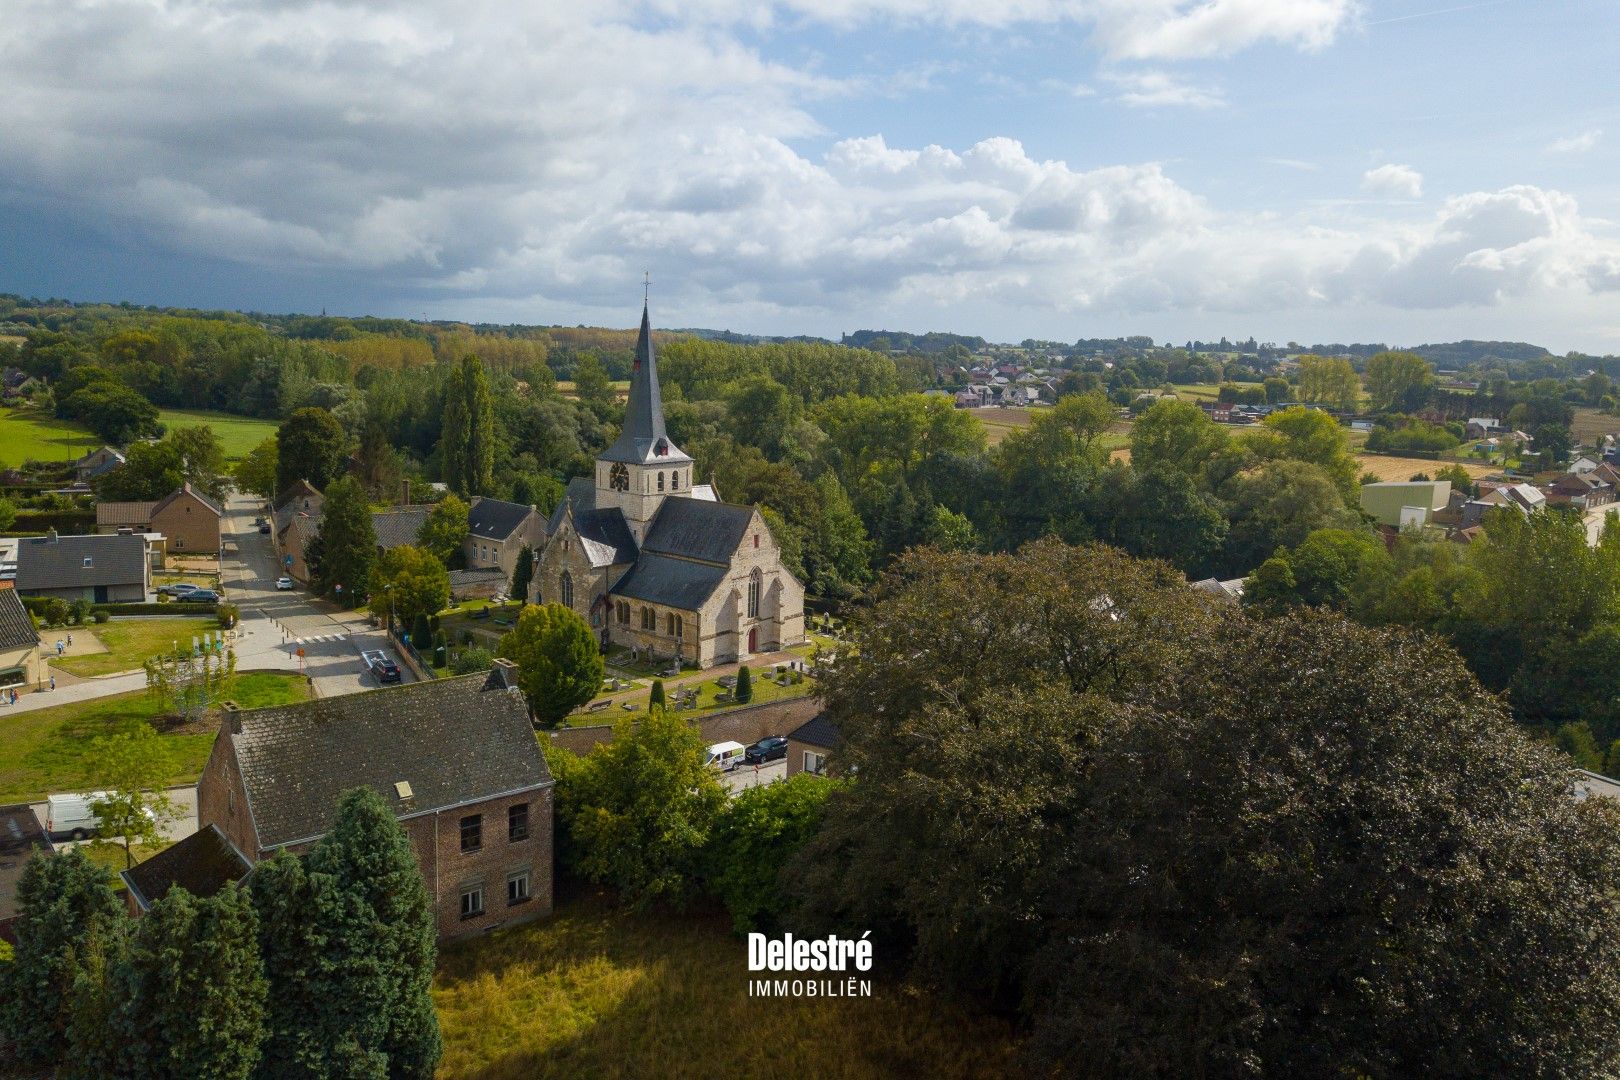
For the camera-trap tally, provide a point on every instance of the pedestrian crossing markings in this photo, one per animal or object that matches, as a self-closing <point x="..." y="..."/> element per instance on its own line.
<point x="319" y="637"/>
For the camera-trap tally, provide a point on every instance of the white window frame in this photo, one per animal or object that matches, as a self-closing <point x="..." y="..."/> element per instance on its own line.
<point x="475" y="910"/>
<point x="814" y="762"/>
<point x="522" y="879"/>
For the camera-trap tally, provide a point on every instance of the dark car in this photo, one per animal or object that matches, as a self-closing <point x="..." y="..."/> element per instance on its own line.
<point x="200" y="596"/>
<point x="772" y="748"/>
<point x="264" y="527"/>
<point x="383" y="669"/>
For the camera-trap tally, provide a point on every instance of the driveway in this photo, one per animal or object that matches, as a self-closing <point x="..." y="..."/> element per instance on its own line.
<point x="276" y="625"/>
<point x="744" y="777"/>
<point x="180" y="824"/>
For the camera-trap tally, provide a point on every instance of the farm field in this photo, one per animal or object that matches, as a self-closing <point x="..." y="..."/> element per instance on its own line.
<point x="238" y="434"/>
<point x="599" y="992"/>
<point x="45" y="750"/>
<point x="1590" y="424"/>
<point x="1404" y="468"/>
<point x="29" y="434"/>
<point x="999" y="422"/>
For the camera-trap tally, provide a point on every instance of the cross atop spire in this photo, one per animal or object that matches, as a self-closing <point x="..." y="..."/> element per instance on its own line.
<point x="646" y="287"/>
<point x="644" y="440"/>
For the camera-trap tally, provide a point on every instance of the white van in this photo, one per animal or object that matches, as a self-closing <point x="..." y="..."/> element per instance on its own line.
<point x="71" y="816"/>
<point x="725" y="756"/>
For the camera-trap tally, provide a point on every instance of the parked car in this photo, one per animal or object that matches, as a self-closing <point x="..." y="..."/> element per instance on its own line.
<point x="201" y="596"/>
<point x="70" y="815"/>
<point x="770" y="748"/>
<point x="265" y="528"/>
<point x="178" y="590"/>
<point x="259" y="520"/>
<point x="724" y="756"/>
<point x="284" y="583"/>
<point x="382" y="669"/>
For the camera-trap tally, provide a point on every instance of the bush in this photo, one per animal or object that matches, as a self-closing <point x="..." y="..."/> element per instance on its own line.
<point x="468" y="661"/>
<point x="758" y="833"/>
<point x="466" y="638"/>
<point x="100" y="616"/>
<point x="227" y="615"/>
<point x="655" y="700"/>
<point x="80" y="610"/>
<point x="56" y="611"/>
<point x="745" y="685"/>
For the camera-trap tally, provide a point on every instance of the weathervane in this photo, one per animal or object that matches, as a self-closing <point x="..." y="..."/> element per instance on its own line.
<point x="646" y="286"/>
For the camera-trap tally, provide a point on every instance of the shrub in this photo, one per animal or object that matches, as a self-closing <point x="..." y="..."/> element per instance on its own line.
<point x="56" y="611"/>
<point x="468" y="661"/>
<point x="80" y="609"/>
<point x="227" y="615"/>
<point x="745" y="685"/>
<point x="100" y="616"/>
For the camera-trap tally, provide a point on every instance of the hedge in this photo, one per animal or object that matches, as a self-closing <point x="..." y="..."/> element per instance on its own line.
<point x="65" y="522"/>
<point x="177" y="607"/>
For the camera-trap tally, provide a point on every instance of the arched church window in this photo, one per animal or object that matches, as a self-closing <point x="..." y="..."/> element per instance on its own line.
<point x="753" y="594"/>
<point x="660" y="481"/>
<point x="674" y="481"/>
<point x="567" y="589"/>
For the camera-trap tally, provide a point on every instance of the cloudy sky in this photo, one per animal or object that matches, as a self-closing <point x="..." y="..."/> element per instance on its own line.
<point x="1390" y="170"/>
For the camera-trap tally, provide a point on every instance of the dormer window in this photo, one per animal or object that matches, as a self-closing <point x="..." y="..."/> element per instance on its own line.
<point x="661" y="449"/>
<point x="88" y="561"/>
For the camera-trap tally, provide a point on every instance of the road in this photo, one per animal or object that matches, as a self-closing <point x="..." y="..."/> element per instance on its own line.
<point x="181" y="822"/>
<point x="1595" y="520"/>
<point x="276" y="624"/>
<point x="744" y="777"/>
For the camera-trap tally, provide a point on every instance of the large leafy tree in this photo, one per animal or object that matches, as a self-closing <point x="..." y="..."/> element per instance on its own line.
<point x="1276" y="505"/>
<point x="256" y="473"/>
<point x="445" y="530"/>
<point x="409" y="582"/>
<point x="66" y="912"/>
<point x="310" y="445"/>
<point x="1330" y="381"/>
<point x="112" y="410"/>
<point x="1176" y="435"/>
<point x="1398" y="380"/>
<point x="559" y="662"/>
<point x="757" y="834"/>
<point x="344" y="552"/>
<point x="191" y="455"/>
<point x="638" y="810"/>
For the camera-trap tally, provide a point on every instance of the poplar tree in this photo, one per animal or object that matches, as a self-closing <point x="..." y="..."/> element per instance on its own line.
<point x="467" y="439"/>
<point x="66" y="906"/>
<point x="347" y="549"/>
<point x="523" y="574"/>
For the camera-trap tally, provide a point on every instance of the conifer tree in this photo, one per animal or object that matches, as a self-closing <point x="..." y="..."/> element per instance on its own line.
<point x="188" y="993"/>
<point x="523" y="574"/>
<point x="347" y="548"/>
<point x="66" y="906"/>
<point x="480" y="467"/>
<point x="655" y="700"/>
<point x="292" y="925"/>
<point x="745" y="685"/>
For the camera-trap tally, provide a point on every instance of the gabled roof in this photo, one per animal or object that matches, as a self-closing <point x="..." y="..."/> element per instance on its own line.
<point x="676" y="583"/>
<point x="643" y="439"/>
<point x="493" y="519"/>
<point x="819" y="730"/>
<point x="301" y="489"/>
<point x="187" y="489"/>
<point x="124" y="513"/>
<point x="20" y="833"/>
<point x="16" y="628"/>
<point x="202" y="864"/>
<point x="399" y="527"/>
<point x="698" y="529"/>
<point x="58" y="562"/>
<point x="604" y="533"/>
<point x="454" y="741"/>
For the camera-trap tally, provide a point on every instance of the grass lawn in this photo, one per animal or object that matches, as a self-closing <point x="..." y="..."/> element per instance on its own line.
<point x="46" y="750"/>
<point x="764" y="691"/>
<point x="130" y="643"/>
<point x="599" y="992"/>
<point x="28" y="433"/>
<point x="110" y="855"/>
<point x="238" y="434"/>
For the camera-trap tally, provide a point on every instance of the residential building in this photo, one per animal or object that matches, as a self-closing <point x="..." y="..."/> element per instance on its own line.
<point x="20" y="833"/>
<point x="294" y="521"/>
<point x="1231" y="589"/>
<point x="202" y="864"/>
<point x="455" y="759"/>
<point x="101" y="569"/>
<point x="400" y="526"/>
<point x="189" y="520"/>
<point x="1521" y="497"/>
<point x="21" y="662"/>
<point x="497" y="532"/>
<point x="1405" y="504"/>
<point x="656" y="563"/>
<point x="97" y="463"/>
<point x="811" y="745"/>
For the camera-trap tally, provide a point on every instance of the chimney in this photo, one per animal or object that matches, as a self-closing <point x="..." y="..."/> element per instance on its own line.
<point x="50" y="537"/>
<point x="405" y="492"/>
<point x="502" y="675"/>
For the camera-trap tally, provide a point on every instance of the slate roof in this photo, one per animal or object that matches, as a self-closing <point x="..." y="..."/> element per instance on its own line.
<point x="698" y="529"/>
<point x="16" y="628"/>
<point x="819" y="730"/>
<point x="202" y="864"/>
<point x="676" y="583"/>
<point x="124" y="513"/>
<point x="643" y="439"/>
<point x="452" y="740"/>
<point x="20" y="833"/>
<point x="492" y="519"/>
<point x="605" y="534"/>
<point x="399" y="527"/>
<point x="47" y="563"/>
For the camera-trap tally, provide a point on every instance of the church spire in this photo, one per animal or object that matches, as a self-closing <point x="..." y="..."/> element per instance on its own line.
<point x="644" y="439"/>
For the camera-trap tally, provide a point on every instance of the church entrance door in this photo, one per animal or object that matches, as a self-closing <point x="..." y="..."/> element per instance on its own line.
<point x="753" y="639"/>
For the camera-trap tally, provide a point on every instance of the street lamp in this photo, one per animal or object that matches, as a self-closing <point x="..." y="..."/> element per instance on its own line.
<point x="389" y="601"/>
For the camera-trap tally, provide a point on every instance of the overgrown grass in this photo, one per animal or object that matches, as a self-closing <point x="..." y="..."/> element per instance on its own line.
<point x="599" y="992"/>
<point x="46" y="750"/>
<point x="26" y="433"/>
<point x="238" y="434"/>
<point x="130" y="643"/>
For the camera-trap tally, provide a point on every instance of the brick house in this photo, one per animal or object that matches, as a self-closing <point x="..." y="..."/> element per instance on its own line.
<point x="20" y="833"/>
<point x="188" y="519"/>
<point x="656" y="563"/>
<point x="811" y="745"/>
<point x="456" y="760"/>
<point x="295" y="519"/>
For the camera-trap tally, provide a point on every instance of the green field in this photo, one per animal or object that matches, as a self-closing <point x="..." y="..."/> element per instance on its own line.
<point x="26" y="434"/>
<point x="600" y="992"/>
<point x="239" y="434"/>
<point x="46" y="750"/>
<point x="130" y="643"/>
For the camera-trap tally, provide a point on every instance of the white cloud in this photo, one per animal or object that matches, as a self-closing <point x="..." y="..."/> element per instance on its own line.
<point x="1575" y="144"/>
<point x="489" y="158"/>
<point x="1151" y="89"/>
<point x="1393" y="181"/>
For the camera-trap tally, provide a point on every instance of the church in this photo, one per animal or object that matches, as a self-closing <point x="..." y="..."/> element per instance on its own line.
<point x="657" y="563"/>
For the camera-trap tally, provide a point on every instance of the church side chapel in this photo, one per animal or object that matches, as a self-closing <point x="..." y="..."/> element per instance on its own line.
<point x="657" y="563"/>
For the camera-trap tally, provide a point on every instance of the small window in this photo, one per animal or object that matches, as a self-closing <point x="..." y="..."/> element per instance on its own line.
<point x="472" y="832"/>
<point x="517" y="822"/>
<point x="674" y="481"/>
<point x="756" y="539"/>
<point x="517" y="888"/>
<point x="814" y="762"/>
<point x="472" y="901"/>
<point x="87" y="560"/>
<point x="660" y="481"/>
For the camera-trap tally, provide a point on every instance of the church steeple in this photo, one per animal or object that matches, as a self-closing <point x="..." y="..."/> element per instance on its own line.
<point x="644" y="440"/>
